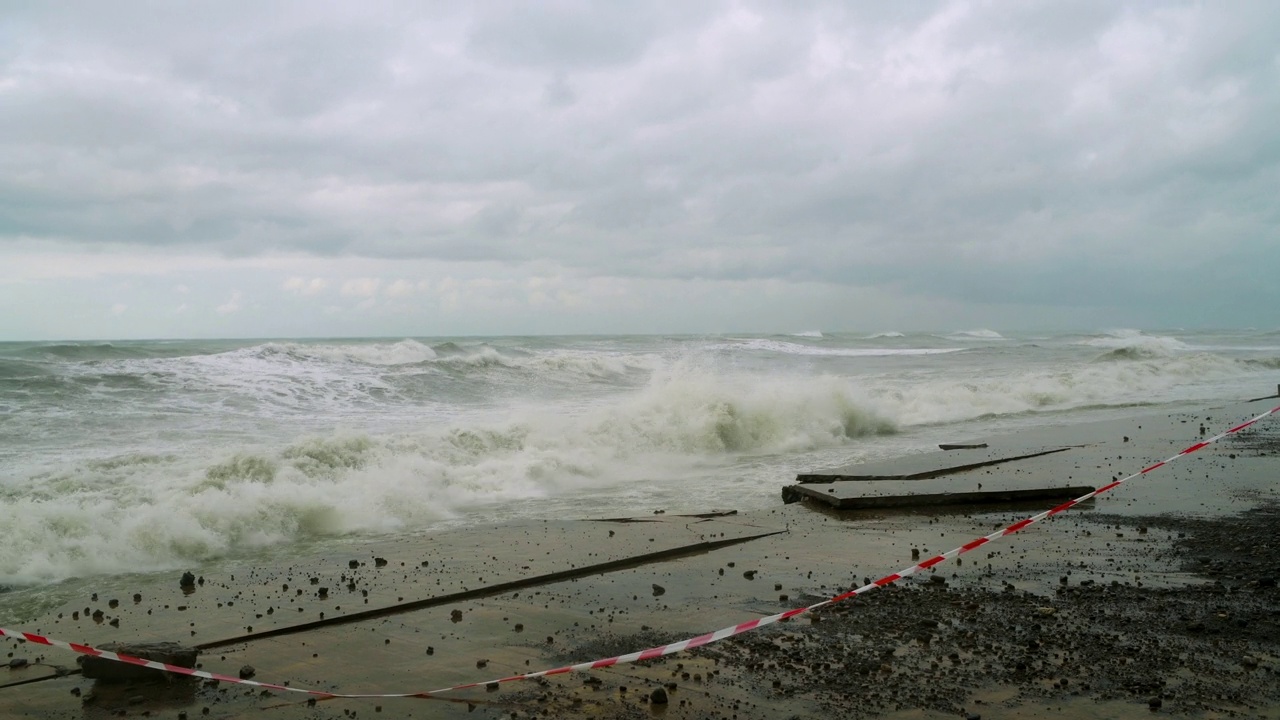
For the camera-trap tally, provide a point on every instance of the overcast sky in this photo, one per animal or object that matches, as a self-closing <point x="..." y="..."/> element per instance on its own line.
<point x="250" y="169"/>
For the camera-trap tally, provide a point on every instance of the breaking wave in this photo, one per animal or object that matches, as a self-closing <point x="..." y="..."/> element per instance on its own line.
<point x="149" y="511"/>
<point x="1133" y="345"/>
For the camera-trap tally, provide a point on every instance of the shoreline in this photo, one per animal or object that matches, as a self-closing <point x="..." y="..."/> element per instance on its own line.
<point x="810" y="658"/>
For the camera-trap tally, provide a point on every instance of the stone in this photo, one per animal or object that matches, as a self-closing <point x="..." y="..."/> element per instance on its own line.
<point x="188" y="580"/>
<point x="247" y="671"/>
<point x="658" y="697"/>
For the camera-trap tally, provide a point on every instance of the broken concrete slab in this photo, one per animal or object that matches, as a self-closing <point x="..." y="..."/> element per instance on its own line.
<point x="922" y="493"/>
<point x="98" y="668"/>
<point x="922" y="467"/>
<point x="1029" y="466"/>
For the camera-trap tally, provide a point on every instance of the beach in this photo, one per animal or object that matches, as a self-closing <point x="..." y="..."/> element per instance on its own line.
<point x="1159" y="595"/>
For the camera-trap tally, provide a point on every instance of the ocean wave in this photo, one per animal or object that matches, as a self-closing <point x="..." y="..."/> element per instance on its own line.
<point x="777" y="346"/>
<point x="979" y="334"/>
<point x="232" y="490"/>
<point x="888" y="334"/>
<point x="84" y="351"/>
<point x="150" y="512"/>
<point x="20" y="370"/>
<point x="808" y="334"/>
<point x="284" y="377"/>
<point x="1126" y="345"/>
<point x="404" y="352"/>
<point x="1113" y="384"/>
<point x="92" y="352"/>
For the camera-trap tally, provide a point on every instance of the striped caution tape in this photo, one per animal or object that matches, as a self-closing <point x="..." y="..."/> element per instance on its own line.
<point x="654" y="652"/>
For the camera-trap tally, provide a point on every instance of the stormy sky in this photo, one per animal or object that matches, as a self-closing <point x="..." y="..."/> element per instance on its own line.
<point x="235" y="169"/>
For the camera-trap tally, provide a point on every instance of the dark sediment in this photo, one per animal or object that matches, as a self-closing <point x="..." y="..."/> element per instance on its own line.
<point x="1207" y="647"/>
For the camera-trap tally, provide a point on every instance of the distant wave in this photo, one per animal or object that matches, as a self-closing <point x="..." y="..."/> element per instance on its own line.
<point x="889" y="334"/>
<point x="777" y="346"/>
<point x="284" y="377"/>
<point x="980" y="334"/>
<point x="808" y="334"/>
<point x="86" y="351"/>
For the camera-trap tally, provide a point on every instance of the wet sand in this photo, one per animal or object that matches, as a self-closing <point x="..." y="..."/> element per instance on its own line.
<point x="1162" y="593"/>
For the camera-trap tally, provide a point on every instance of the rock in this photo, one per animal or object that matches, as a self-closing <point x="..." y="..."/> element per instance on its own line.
<point x="658" y="697"/>
<point x="96" y="668"/>
<point x="379" y="562"/>
<point x="16" y="663"/>
<point x="188" y="580"/>
<point x="353" y="564"/>
<point x="750" y="574"/>
<point x="658" y="590"/>
<point x="1155" y="703"/>
<point x="247" y="671"/>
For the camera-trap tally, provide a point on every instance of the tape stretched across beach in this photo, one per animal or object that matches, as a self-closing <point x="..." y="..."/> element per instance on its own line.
<point x="654" y="652"/>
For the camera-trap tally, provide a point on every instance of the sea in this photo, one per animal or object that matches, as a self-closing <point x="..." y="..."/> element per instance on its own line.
<point x="154" y="456"/>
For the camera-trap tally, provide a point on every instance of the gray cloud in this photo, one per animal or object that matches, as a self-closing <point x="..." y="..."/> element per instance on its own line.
<point x="1047" y="154"/>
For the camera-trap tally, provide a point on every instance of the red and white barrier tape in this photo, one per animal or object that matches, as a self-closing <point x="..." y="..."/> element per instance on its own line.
<point x="660" y="651"/>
